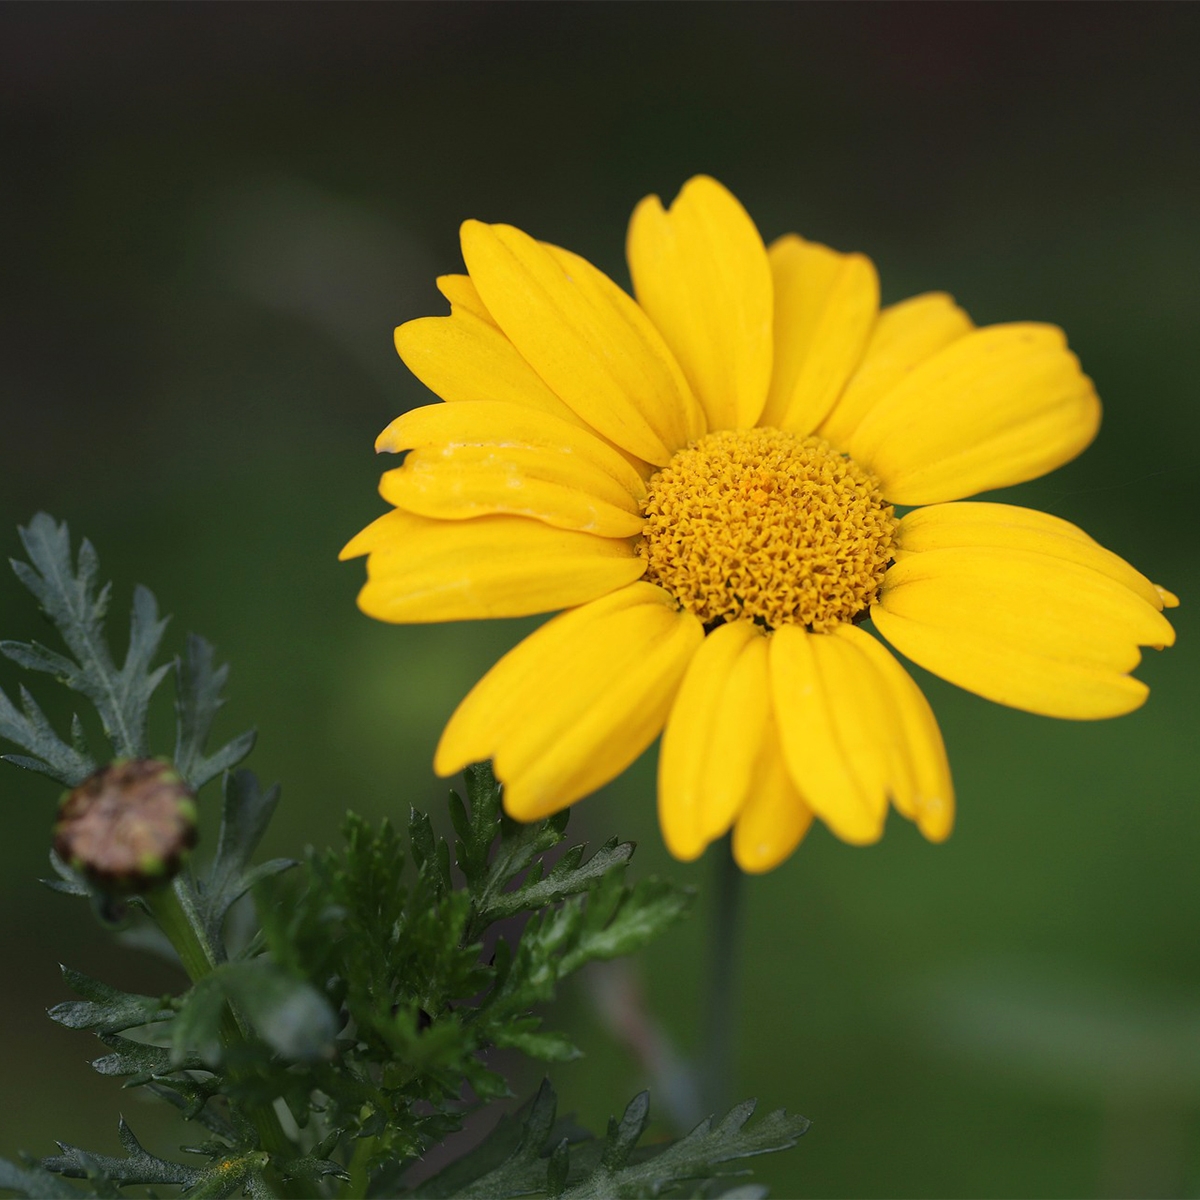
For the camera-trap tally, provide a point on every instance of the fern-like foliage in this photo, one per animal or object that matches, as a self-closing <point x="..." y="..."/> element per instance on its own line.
<point x="368" y="984"/>
<point x="532" y="1154"/>
<point x="67" y="591"/>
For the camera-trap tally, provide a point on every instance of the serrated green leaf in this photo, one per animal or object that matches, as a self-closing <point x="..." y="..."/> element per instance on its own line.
<point x="531" y="1154"/>
<point x="69" y="881"/>
<point x="198" y="686"/>
<point x="548" y="1047"/>
<point x="484" y="1159"/>
<point x="558" y="1168"/>
<point x="484" y="793"/>
<point x="231" y="1175"/>
<point x="519" y="846"/>
<point x="246" y="812"/>
<point x="138" y="1166"/>
<point x="569" y="877"/>
<point x="628" y="921"/>
<point x="179" y="1096"/>
<point x="289" y="1014"/>
<point x="48" y="753"/>
<point x="35" y="657"/>
<point x="312" y="1168"/>
<point x="67" y="594"/>
<point x="703" y="1154"/>
<point x="34" y="1182"/>
<point x="152" y="1067"/>
<point x="196" y="1030"/>
<point x="105" y="1009"/>
<point x="139" y="1059"/>
<point x="624" y="1134"/>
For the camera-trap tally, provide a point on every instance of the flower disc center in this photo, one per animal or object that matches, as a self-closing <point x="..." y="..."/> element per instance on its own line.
<point x="766" y="525"/>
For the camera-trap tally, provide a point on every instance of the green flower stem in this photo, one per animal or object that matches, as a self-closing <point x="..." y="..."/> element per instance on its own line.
<point x="720" y="1015"/>
<point x="360" y="1178"/>
<point x="173" y="908"/>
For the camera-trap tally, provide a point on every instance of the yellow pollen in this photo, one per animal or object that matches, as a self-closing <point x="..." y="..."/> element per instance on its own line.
<point x="767" y="525"/>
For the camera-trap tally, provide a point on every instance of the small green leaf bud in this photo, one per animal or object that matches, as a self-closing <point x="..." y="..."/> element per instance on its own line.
<point x="128" y="826"/>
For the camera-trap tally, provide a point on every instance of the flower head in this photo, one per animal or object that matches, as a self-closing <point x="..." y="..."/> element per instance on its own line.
<point x="127" y="826"/>
<point x="704" y="479"/>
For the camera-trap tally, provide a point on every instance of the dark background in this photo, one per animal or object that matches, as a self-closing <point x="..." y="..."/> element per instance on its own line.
<point x="214" y="216"/>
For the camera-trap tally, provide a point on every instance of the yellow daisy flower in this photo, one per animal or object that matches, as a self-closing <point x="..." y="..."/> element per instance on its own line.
<point x="704" y="479"/>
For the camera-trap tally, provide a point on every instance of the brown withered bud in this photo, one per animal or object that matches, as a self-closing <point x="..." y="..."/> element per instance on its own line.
<point x="128" y="826"/>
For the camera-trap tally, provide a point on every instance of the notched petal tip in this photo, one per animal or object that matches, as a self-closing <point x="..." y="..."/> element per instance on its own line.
<point x="996" y="407"/>
<point x="1169" y="599"/>
<point x="825" y="306"/>
<point x="1166" y="637"/>
<point x="700" y="271"/>
<point x="585" y="338"/>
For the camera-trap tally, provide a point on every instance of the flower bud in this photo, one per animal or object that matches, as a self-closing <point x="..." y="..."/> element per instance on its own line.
<point x="128" y="826"/>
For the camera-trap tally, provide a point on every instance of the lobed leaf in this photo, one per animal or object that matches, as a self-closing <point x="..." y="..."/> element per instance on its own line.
<point x="70" y="882"/>
<point x="531" y="1154"/>
<point x="198" y="686"/>
<point x="620" y="920"/>
<point x="246" y="812"/>
<point x="289" y="1014"/>
<point x="48" y="753"/>
<point x="138" y="1166"/>
<point x="67" y="594"/>
<point x="569" y="877"/>
<point x="105" y="1009"/>
<point x="33" y="1181"/>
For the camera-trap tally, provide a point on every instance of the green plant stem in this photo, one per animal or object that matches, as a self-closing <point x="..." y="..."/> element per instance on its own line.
<point x="176" y="915"/>
<point x="174" y="920"/>
<point x="360" y="1178"/>
<point x="720" y="1013"/>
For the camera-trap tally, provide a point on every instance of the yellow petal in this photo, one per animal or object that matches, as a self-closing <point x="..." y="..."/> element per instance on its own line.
<point x="712" y="738"/>
<point x="996" y="407"/>
<point x="463" y="357"/>
<point x="864" y="727"/>
<point x="775" y="818"/>
<point x="576" y="702"/>
<point x="825" y="307"/>
<point x="813" y="693"/>
<point x="977" y="523"/>
<point x="920" y="784"/>
<point x="905" y="335"/>
<point x="586" y="338"/>
<point x="1044" y="603"/>
<point x="478" y="457"/>
<point x="423" y="570"/>
<point x="700" y="272"/>
<point x="974" y="660"/>
<point x="1021" y="628"/>
<point x="495" y="423"/>
<point x="462" y="294"/>
<point x="474" y="481"/>
<point x="490" y="709"/>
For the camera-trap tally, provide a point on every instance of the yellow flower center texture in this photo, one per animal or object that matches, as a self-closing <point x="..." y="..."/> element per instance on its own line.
<point x="766" y="525"/>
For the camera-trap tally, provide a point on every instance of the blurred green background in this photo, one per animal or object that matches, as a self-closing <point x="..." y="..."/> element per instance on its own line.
<point x="214" y="217"/>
